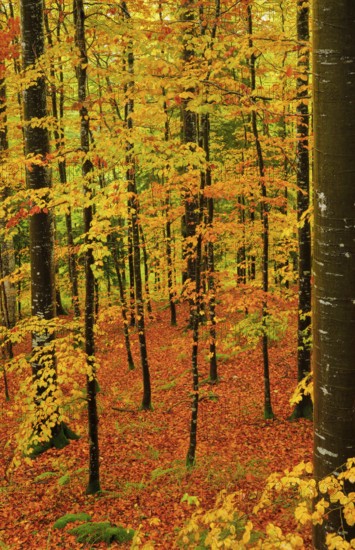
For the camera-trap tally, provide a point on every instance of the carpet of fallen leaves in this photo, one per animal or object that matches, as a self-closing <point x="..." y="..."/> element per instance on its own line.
<point x="143" y="474"/>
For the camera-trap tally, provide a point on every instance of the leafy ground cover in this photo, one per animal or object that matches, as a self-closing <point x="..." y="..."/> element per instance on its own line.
<point x="143" y="472"/>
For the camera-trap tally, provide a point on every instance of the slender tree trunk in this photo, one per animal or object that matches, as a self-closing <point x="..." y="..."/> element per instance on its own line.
<point x="124" y="309"/>
<point x="205" y="134"/>
<point x="264" y="213"/>
<point x="133" y="207"/>
<point x="334" y="248"/>
<point x="146" y="270"/>
<point x="168" y="237"/>
<point x="172" y="305"/>
<point x="241" y="252"/>
<point x="304" y="408"/>
<point x="7" y="351"/>
<point x="8" y="293"/>
<point x="196" y="320"/>
<point x="250" y="259"/>
<point x="131" y="271"/>
<point x="191" y="453"/>
<point x="62" y="168"/>
<point x="87" y="167"/>
<point x="207" y="182"/>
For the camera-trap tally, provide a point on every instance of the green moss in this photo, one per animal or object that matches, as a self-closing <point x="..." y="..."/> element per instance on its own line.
<point x="44" y="476"/>
<point x="70" y="518"/>
<point x="92" y="533"/>
<point x="61" y="436"/>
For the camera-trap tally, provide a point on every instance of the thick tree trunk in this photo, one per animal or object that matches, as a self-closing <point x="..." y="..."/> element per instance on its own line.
<point x="38" y="177"/>
<point x="189" y="137"/>
<point x="91" y="382"/>
<point x="334" y="247"/>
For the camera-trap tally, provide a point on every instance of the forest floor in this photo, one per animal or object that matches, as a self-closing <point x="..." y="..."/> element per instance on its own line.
<point x="143" y="474"/>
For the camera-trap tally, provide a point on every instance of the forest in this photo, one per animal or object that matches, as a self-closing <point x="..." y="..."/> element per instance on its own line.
<point x="177" y="274"/>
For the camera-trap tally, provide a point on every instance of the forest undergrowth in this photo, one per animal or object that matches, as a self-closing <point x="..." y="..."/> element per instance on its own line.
<point x="143" y="473"/>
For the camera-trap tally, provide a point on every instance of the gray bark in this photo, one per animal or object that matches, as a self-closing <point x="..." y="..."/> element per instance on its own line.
<point x="334" y="246"/>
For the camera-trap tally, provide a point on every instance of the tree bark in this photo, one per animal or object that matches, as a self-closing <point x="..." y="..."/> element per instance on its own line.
<point x="124" y="309"/>
<point x="304" y="408"/>
<point x="38" y="177"/>
<point x="168" y="237"/>
<point x="133" y="210"/>
<point x="58" y="133"/>
<point x="264" y="214"/>
<point x="189" y="137"/>
<point x="87" y="167"/>
<point x="334" y="247"/>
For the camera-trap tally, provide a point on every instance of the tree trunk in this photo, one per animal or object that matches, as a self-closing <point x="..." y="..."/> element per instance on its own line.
<point x="87" y="167"/>
<point x="334" y="247"/>
<point x="38" y="177"/>
<point x="124" y="310"/>
<point x="205" y="142"/>
<point x="7" y="258"/>
<point x="169" y="260"/>
<point x="191" y="453"/>
<point x="133" y="208"/>
<point x="264" y="213"/>
<point x="146" y="270"/>
<point x="58" y="133"/>
<point x="304" y="408"/>
<point x="189" y="137"/>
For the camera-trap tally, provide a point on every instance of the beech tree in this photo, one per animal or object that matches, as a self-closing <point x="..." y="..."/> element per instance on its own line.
<point x="334" y="247"/>
<point x="264" y="214"/>
<point x="304" y="408"/>
<point x="87" y="167"/>
<point x="47" y="426"/>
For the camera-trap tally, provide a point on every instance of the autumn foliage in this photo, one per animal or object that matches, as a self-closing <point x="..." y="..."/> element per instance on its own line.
<point x="174" y="205"/>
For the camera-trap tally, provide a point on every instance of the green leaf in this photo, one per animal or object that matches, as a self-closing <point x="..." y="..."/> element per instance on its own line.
<point x="190" y="499"/>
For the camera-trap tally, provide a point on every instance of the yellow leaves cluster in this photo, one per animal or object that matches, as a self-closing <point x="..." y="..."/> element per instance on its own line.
<point x="57" y="394"/>
<point x="305" y="387"/>
<point x="225" y="526"/>
<point x="319" y="512"/>
<point x="336" y="542"/>
<point x="276" y="539"/>
<point x="302" y="514"/>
